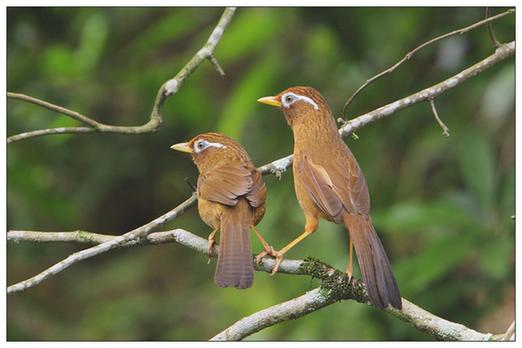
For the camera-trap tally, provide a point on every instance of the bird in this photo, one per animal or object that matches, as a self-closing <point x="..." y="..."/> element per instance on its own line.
<point x="231" y="199"/>
<point x="329" y="184"/>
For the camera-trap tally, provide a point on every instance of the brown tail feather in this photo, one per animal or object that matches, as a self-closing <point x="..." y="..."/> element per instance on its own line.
<point x="375" y="266"/>
<point x="235" y="266"/>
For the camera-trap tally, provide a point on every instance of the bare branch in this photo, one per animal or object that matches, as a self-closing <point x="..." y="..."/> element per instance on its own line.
<point x="445" y="129"/>
<point x="418" y="48"/>
<point x="137" y="233"/>
<point x="496" y="43"/>
<point x="335" y="286"/>
<point x="178" y="235"/>
<point x="50" y="131"/>
<point x="321" y="297"/>
<point x="502" y="53"/>
<point x="166" y="90"/>
<point x="292" y="309"/>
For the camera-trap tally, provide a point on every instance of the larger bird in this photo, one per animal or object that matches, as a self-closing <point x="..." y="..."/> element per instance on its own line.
<point x="329" y="184"/>
<point x="231" y="199"/>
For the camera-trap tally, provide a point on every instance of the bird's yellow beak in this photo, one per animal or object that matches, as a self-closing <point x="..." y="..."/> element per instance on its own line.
<point x="272" y="101"/>
<point x="183" y="147"/>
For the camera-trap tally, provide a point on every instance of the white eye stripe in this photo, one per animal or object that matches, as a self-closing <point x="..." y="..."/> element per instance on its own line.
<point x="289" y="98"/>
<point x="202" y="144"/>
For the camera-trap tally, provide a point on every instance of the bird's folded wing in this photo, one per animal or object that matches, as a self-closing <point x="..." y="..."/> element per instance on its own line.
<point x="319" y="185"/>
<point x="225" y="184"/>
<point x="350" y="185"/>
<point x="257" y="195"/>
<point x="336" y="185"/>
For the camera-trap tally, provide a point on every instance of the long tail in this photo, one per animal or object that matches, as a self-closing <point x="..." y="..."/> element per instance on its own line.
<point x="375" y="266"/>
<point x="235" y="266"/>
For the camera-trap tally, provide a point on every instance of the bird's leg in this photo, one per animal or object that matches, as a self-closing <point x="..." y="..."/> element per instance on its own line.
<point x="310" y="227"/>
<point x="350" y="255"/>
<point x="211" y="243"/>
<point x="267" y="248"/>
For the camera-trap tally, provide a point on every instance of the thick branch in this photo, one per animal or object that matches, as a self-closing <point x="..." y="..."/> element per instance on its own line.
<point x="166" y="90"/>
<point x="502" y="53"/>
<point x="135" y="234"/>
<point x="335" y="286"/>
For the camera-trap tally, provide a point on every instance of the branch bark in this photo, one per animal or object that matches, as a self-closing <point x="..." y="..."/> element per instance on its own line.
<point x="133" y="235"/>
<point x="335" y="286"/>
<point x="166" y="90"/>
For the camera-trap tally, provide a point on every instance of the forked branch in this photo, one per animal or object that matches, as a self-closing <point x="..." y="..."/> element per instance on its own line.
<point x="166" y="90"/>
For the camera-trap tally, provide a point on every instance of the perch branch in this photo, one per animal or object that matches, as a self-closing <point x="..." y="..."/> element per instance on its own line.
<point x="335" y="286"/>
<point x="135" y="234"/>
<point x="418" y="48"/>
<point x="166" y="90"/>
<point x="503" y="52"/>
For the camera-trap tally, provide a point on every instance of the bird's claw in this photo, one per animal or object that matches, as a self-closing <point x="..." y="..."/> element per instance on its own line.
<point x="210" y="251"/>
<point x="278" y="260"/>
<point x="268" y="250"/>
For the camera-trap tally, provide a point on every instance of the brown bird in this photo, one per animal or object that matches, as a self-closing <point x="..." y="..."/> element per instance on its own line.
<point x="231" y="198"/>
<point x="329" y="184"/>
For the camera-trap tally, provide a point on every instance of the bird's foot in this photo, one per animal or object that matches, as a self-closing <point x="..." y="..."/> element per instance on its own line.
<point x="268" y="250"/>
<point x="210" y="250"/>
<point x="278" y="260"/>
<point x="349" y="273"/>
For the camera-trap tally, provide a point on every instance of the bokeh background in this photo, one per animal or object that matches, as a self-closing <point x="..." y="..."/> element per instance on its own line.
<point x="442" y="206"/>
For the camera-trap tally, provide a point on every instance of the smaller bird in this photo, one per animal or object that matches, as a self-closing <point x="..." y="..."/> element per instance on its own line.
<point x="231" y="199"/>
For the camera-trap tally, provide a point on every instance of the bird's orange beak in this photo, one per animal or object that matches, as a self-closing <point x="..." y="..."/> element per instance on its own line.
<point x="183" y="147"/>
<point x="272" y="101"/>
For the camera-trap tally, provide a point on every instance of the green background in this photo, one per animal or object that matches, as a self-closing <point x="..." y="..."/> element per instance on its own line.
<point x="442" y="206"/>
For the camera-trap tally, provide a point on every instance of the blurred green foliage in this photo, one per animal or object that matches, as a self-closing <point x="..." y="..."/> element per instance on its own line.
<point x="442" y="206"/>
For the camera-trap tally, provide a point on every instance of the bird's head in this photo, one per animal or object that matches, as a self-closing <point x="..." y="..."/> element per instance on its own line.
<point x="299" y="104"/>
<point x="208" y="148"/>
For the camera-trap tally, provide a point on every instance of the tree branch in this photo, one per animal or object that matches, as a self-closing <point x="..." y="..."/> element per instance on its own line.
<point x="135" y="234"/>
<point x="335" y="286"/>
<point x="503" y="52"/>
<point x="408" y="55"/>
<point x="166" y="90"/>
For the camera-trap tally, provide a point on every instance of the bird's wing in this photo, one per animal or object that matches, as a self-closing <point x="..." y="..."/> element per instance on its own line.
<point x="350" y="185"/>
<point x="335" y="185"/>
<point x="319" y="185"/>
<point x="257" y="195"/>
<point x="225" y="183"/>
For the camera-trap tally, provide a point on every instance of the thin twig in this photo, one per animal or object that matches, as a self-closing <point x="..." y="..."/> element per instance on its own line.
<point x="412" y="52"/>
<point x="218" y="67"/>
<point x="503" y="52"/>
<point x="166" y="90"/>
<point x="492" y="36"/>
<point x="445" y="129"/>
<point x="50" y="131"/>
<point x="137" y="233"/>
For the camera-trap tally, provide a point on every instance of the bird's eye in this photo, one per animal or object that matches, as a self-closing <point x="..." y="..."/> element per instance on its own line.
<point x="289" y="98"/>
<point x="200" y="145"/>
